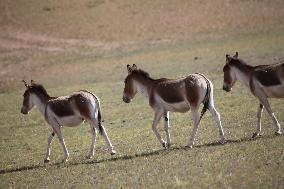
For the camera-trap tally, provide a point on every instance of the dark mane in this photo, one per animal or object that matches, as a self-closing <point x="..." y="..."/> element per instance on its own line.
<point x="143" y="73"/>
<point x="239" y="63"/>
<point x="38" y="89"/>
<point x="237" y="60"/>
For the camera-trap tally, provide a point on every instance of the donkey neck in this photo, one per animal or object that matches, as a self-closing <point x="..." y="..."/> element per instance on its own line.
<point x="243" y="72"/>
<point x="144" y="85"/>
<point x="40" y="101"/>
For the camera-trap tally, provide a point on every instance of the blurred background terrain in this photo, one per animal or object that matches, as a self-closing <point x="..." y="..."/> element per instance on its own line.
<point x="69" y="45"/>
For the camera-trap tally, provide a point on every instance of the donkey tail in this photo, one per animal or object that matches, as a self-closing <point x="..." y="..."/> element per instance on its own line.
<point x="100" y="121"/>
<point x="206" y="98"/>
<point x="204" y="109"/>
<point x="99" y="111"/>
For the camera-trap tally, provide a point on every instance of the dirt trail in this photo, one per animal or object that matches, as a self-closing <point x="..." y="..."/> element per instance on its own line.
<point x="24" y="55"/>
<point x="64" y="31"/>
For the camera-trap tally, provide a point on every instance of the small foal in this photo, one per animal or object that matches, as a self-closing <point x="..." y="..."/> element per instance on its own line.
<point x="67" y="111"/>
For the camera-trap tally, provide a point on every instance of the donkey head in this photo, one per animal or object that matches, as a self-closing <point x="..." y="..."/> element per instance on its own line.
<point x="129" y="88"/>
<point x="229" y="76"/>
<point x="27" y="102"/>
<point x="32" y="92"/>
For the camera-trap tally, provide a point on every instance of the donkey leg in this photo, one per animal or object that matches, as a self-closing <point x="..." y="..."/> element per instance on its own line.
<point x="57" y="130"/>
<point x="94" y="137"/>
<point x="259" y="115"/>
<point x="157" y="118"/>
<point x="167" y="127"/>
<point x="270" y="112"/>
<point x="110" y="146"/>
<point x="49" y="141"/>
<point x="217" y="118"/>
<point x="107" y="140"/>
<point x="195" y="117"/>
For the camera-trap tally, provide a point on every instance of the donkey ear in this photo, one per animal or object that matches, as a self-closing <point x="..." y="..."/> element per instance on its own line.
<point x="228" y="58"/>
<point x="25" y="83"/>
<point x="134" y="67"/>
<point x="129" y="69"/>
<point x="32" y="82"/>
<point x="236" y="55"/>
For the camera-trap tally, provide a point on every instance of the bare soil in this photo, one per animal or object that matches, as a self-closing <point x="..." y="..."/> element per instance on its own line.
<point x="34" y="38"/>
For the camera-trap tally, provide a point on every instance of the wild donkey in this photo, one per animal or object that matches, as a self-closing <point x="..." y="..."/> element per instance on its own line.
<point x="177" y="95"/>
<point x="67" y="111"/>
<point x="263" y="81"/>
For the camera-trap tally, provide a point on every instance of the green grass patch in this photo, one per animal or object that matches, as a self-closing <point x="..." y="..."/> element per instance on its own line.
<point x="141" y="162"/>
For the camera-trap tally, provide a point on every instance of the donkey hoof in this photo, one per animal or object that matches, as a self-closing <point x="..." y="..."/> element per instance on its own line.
<point x="64" y="161"/>
<point x="222" y="141"/>
<point x="113" y="152"/>
<point x="256" y="135"/>
<point x="166" y="145"/>
<point x="46" y="160"/>
<point x="278" y="133"/>
<point x="188" y="146"/>
<point x="90" y="156"/>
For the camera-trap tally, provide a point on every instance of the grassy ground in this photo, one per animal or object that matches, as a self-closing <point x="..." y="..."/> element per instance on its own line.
<point x="67" y="59"/>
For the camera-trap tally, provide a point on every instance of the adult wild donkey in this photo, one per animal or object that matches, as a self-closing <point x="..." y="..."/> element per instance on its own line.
<point x="263" y="81"/>
<point x="67" y="111"/>
<point x="175" y="95"/>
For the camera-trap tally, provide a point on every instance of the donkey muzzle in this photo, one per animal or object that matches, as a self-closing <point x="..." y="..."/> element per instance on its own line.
<point x="24" y="111"/>
<point x="227" y="88"/>
<point x="126" y="99"/>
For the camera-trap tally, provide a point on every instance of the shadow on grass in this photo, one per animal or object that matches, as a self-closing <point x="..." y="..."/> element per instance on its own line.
<point x="127" y="157"/>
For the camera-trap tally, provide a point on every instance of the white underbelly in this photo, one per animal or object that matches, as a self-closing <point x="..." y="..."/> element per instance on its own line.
<point x="70" y="121"/>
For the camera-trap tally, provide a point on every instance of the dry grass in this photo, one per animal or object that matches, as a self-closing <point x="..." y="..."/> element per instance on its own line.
<point x="47" y="36"/>
<point x="71" y="45"/>
<point x="128" y="21"/>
